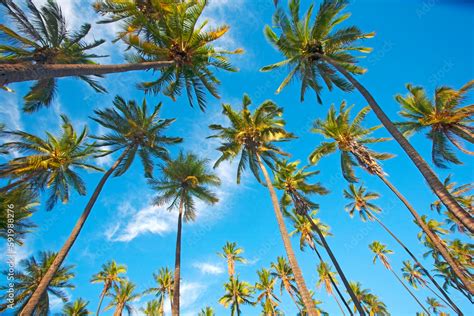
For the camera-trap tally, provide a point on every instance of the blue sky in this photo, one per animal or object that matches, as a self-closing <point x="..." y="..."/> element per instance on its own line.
<point x="426" y="43"/>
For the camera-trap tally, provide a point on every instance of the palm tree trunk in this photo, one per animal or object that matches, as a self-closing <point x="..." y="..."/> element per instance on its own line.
<point x="118" y="310"/>
<point x="10" y="73"/>
<point x="409" y="291"/>
<point x="438" y="188"/>
<point x="425" y="271"/>
<point x="338" y="304"/>
<point x="102" y="295"/>
<point x="290" y="292"/>
<point x="332" y="281"/>
<point x="433" y="237"/>
<point x="177" y="263"/>
<point x="58" y="260"/>
<point x="336" y="264"/>
<point x="305" y="296"/>
<point x="442" y="299"/>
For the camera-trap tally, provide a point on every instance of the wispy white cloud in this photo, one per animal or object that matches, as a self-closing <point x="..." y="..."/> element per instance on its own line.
<point x="209" y="268"/>
<point x="10" y="113"/>
<point x="190" y="294"/>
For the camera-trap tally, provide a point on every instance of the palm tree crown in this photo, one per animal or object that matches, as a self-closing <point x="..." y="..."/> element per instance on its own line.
<point x="381" y="251"/>
<point x="237" y="293"/>
<point x="231" y="253"/>
<point x="360" y="202"/>
<point x="122" y="296"/>
<point x="76" y="308"/>
<point x="265" y="287"/>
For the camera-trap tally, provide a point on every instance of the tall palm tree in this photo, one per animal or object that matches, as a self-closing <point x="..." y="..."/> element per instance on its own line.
<point x="326" y="277"/>
<point x="183" y="181"/>
<point x="231" y="253"/>
<point x="164" y="287"/>
<point x="304" y="312"/>
<point x="381" y="251"/>
<point x="445" y="116"/>
<point x="281" y="269"/>
<point x="351" y="138"/>
<point x="360" y="293"/>
<point x="153" y="308"/>
<point x="121" y="297"/>
<point x="76" y="308"/>
<point x="253" y="137"/>
<point x="109" y="275"/>
<point x="434" y="305"/>
<point x="43" y="39"/>
<point x="315" y="51"/>
<point x="296" y="188"/>
<point x="237" y="293"/>
<point x="375" y="306"/>
<point x="265" y="287"/>
<point x="132" y="130"/>
<point x="207" y="311"/>
<point x="360" y="202"/>
<point x="50" y="162"/>
<point x="26" y="280"/>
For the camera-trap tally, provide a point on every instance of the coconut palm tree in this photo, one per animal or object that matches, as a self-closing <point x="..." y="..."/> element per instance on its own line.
<point x="296" y="188"/>
<point x="43" y="39"/>
<point x="231" y="253"/>
<point x="381" y="251"/>
<point x="123" y="294"/>
<point x="153" y="308"/>
<point x="447" y="120"/>
<point x="49" y="163"/>
<point x="303" y="311"/>
<point x="164" y="287"/>
<point x="237" y="293"/>
<point x="207" y="311"/>
<point x="351" y="138"/>
<point x="76" y="308"/>
<point x="253" y="137"/>
<point x="183" y="181"/>
<point x="110" y="275"/>
<point x="315" y="51"/>
<point x="375" y="306"/>
<point x="27" y="278"/>
<point x="281" y="269"/>
<point x="18" y="206"/>
<point x="132" y="130"/>
<point x="434" y="305"/>
<point x="360" y="293"/>
<point x="361" y="202"/>
<point x="327" y="277"/>
<point x="265" y="287"/>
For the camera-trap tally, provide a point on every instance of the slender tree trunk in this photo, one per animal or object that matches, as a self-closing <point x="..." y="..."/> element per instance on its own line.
<point x="305" y="296"/>
<point x="177" y="264"/>
<point x="118" y="311"/>
<point x="442" y="299"/>
<point x="409" y="291"/>
<point x="294" y="299"/>
<point x="434" y="238"/>
<point x="336" y="264"/>
<point x="58" y="260"/>
<point x="10" y="73"/>
<point x="338" y="304"/>
<point x="102" y="295"/>
<point x="333" y="282"/>
<point x="438" y="188"/>
<point x="425" y="271"/>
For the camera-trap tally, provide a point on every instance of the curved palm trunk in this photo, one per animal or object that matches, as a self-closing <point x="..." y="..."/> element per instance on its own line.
<point x="438" y="188"/>
<point x="177" y="263"/>
<point x="305" y="296"/>
<point x="10" y="73"/>
<point x="437" y="243"/>
<point x="119" y="309"/>
<point x="338" y="304"/>
<point x="44" y="283"/>
<point x="336" y="264"/>
<point x="333" y="282"/>
<point x="102" y="295"/>
<point x="448" y="300"/>
<point x="408" y="290"/>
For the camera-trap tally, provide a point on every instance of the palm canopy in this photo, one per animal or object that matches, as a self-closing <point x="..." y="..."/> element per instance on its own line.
<point x="282" y="270"/>
<point x="183" y="180"/>
<point x="413" y="274"/>
<point x="207" y="311"/>
<point x="50" y="162"/>
<point x="135" y="130"/>
<point x="181" y="38"/>
<point x="27" y="278"/>
<point x="265" y="289"/>
<point x="305" y="42"/>
<point x="43" y="38"/>
<point x="325" y="274"/>
<point x="360" y="202"/>
<point x="351" y="139"/>
<point x="110" y="274"/>
<point x="251" y="135"/>
<point x="232" y="253"/>
<point x="164" y="285"/>
<point x="380" y="251"/>
<point x="76" y="308"/>
<point x="237" y="293"/>
<point x="304" y="227"/>
<point x="446" y="118"/>
<point x="122" y="296"/>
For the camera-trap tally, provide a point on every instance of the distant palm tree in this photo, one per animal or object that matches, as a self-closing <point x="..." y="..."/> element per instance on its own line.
<point x="265" y="287"/>
<point x="76" y="308"/>
<point x="110" y="276"/>
<point x="231" y="253"/>
<point x="326" y="277"/>
<point x="27" y="279"/>
<point x="282" y="270"/>
<point x="208" y="311"/>
<point x="183" y="181"/>
<point x="351" y="139"/>
<point x="445" y="117"/>
<point x="381" y="251"/>
<point x="43" y="39"/>
<point x="132" y="130"/>
<point x="304" y="312"/>
<point x="360" y="293"/>
<point x="375" y="306"/>
<point x="121" y="297"/>
<point x="164" y="287"/>
<point x="434" y="305"/>
<point x="252" y="136"/>
<point x="317" y="53"/>
<point x="153" y="308"/>
<point x="49" y="163"/>
<point x="237" y="293"/>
